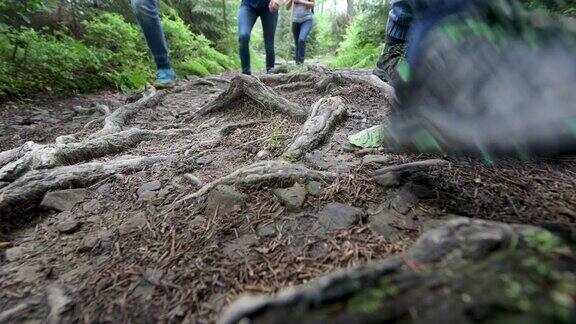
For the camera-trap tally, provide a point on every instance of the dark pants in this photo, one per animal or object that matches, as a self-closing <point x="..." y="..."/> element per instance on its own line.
<point x="300" y="32"/>
<point x="247" y="16"/>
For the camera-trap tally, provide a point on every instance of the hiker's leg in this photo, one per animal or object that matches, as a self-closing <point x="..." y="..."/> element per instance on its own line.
<point x="296" y="34"/>
<point x="246" y="18"/>
<point x="146" y="12"/>
<point x="269" y="22"/>
<point x="305" y="29"/>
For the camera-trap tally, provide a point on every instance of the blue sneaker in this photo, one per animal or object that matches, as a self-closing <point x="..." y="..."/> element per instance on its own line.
<point x="165" y="78"/>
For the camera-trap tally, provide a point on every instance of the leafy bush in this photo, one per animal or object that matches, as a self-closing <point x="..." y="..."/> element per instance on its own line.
<point x="364" y="35"/>
<point x="112" y="52"/>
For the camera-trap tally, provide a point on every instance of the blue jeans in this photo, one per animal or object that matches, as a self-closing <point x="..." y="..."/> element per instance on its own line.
<point x="300" y="32"/>
<point x="146" y="13"/>
<point x="247" y="16"/>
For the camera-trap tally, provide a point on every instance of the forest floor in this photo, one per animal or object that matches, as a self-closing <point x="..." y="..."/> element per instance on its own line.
<point x="176" y="222"/>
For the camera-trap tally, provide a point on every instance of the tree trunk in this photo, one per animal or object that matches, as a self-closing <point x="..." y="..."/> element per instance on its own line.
<point x="350" y="9"/>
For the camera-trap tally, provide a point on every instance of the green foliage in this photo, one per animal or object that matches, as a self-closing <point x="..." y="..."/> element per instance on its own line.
<point x="364" y="35"/>
<point x="112" y="52"/>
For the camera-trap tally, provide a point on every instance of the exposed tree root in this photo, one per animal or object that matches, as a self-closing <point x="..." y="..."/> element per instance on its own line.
<point x="343" y="79"/>
<point x="26" y="192"/>
<point x="118" y="119"/>
<point x="262" y="173"/>
<point x="409" y="167"/>
<point x="49" y="156"/>
<point x="244" y="85"/>
<point x="230" y="128"/>
<point x="276" y="79"/>
<point x="15" y="153"/>
<point x="324" y="116"/>
<point x="295" y="86"/>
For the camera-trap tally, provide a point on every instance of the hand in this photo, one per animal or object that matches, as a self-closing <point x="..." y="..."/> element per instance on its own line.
<point x="274" y="5"/>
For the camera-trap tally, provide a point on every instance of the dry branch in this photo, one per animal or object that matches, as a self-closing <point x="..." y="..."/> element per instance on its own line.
<point x="244" y="85"/>
<point x="26" y="192"/>
<point x="262" y="173"/>
<point x="324" y="116"/>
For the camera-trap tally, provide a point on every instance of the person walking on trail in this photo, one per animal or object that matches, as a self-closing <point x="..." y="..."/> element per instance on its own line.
<point x="249" y="11"/>
<point x="399" y="20"/>
<point x="302" y="23"/>
<point x="146" y="13"/>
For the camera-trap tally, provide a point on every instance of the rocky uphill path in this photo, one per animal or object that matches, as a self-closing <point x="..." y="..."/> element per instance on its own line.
<point x="171" y="205"/>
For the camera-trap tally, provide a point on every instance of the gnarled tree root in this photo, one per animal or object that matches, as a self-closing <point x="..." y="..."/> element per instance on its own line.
<point x="245" y="85"/>
<point x="49" y="156"/>
<point x="324" y="116"/>
<point x="27" y="191"/>
<point x="344" y="79"/>
<point x="118" y="119"/>
<point x="261" y="173"/>
<point x="278" y="79"/>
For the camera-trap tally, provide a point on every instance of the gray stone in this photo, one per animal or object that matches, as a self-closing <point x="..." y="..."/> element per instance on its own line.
<point x="389" y="223"/>
<point x="266" y="230"/>
<point x="376" y="159"/>
<point x="206" y="159"/>
<point x="293" y="198"/>
<point x="63" y="200"/>
<point x="59" y="303"/>
<point x="314" y="188"/>
<point x="263" y="155"/>
<point x="404" y="200"/>
<point x="92" y="207"/>
<point x="147" y="191"/>
<point x="324" y="161"/>
<point x="224" y="200"/>
<point x="19" y="252"/>
<point x="134" y="223"/>
<point x="102" y="238"/>
<point x="338" y="216"/>
<point x="238" y="248"/>
<point x="193" y="179"/>
<point x="390" y="179"/>
<point x="68" y="226"/>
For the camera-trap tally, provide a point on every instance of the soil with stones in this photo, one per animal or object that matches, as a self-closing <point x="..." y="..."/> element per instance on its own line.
<point x="170" y="205"/>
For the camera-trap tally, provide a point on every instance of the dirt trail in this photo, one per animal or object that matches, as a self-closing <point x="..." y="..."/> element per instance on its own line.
<point x="224" y="186"/>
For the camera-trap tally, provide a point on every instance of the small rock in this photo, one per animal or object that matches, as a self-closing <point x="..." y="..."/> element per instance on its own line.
<point x="198" y="220"/>
<point x="314" y="188"/>
<point x="376" y="159"/>
<point x="324" y="161"/>
<point x="203" y="160"/>
<point x="68" y="226"/>
<point x="389" y="223"/>
<point x="193" y="179"/>
<point x="404" y="200"/>
<point x="16" y="253"/>
<point x="338" y="216"/>
<point x="390" y="179"/>
<point x="263" y="155"/>
<point x="59" y="303"/>
<point x="92" y="207"/>
<point x="266" y="230"/>
<point x="134" y="223"/>
<point x="223" y="200"/>
<point x="29" y="273"/>
<point x="239" y="248"/>
<point x="101" y="238"/>
<point x="147" y="191"/>
<point x="104" y="189"/>
<point x="63" y="200"/>
<point x="293" y="198"/>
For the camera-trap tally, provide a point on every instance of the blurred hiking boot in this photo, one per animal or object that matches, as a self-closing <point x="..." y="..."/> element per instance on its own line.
<point x="488" y="85"/>
<point x="386" y="66"/>
<point x="165" y="78"/>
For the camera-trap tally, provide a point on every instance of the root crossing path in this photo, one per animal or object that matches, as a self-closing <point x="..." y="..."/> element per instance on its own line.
<point x="171" y="205"/>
